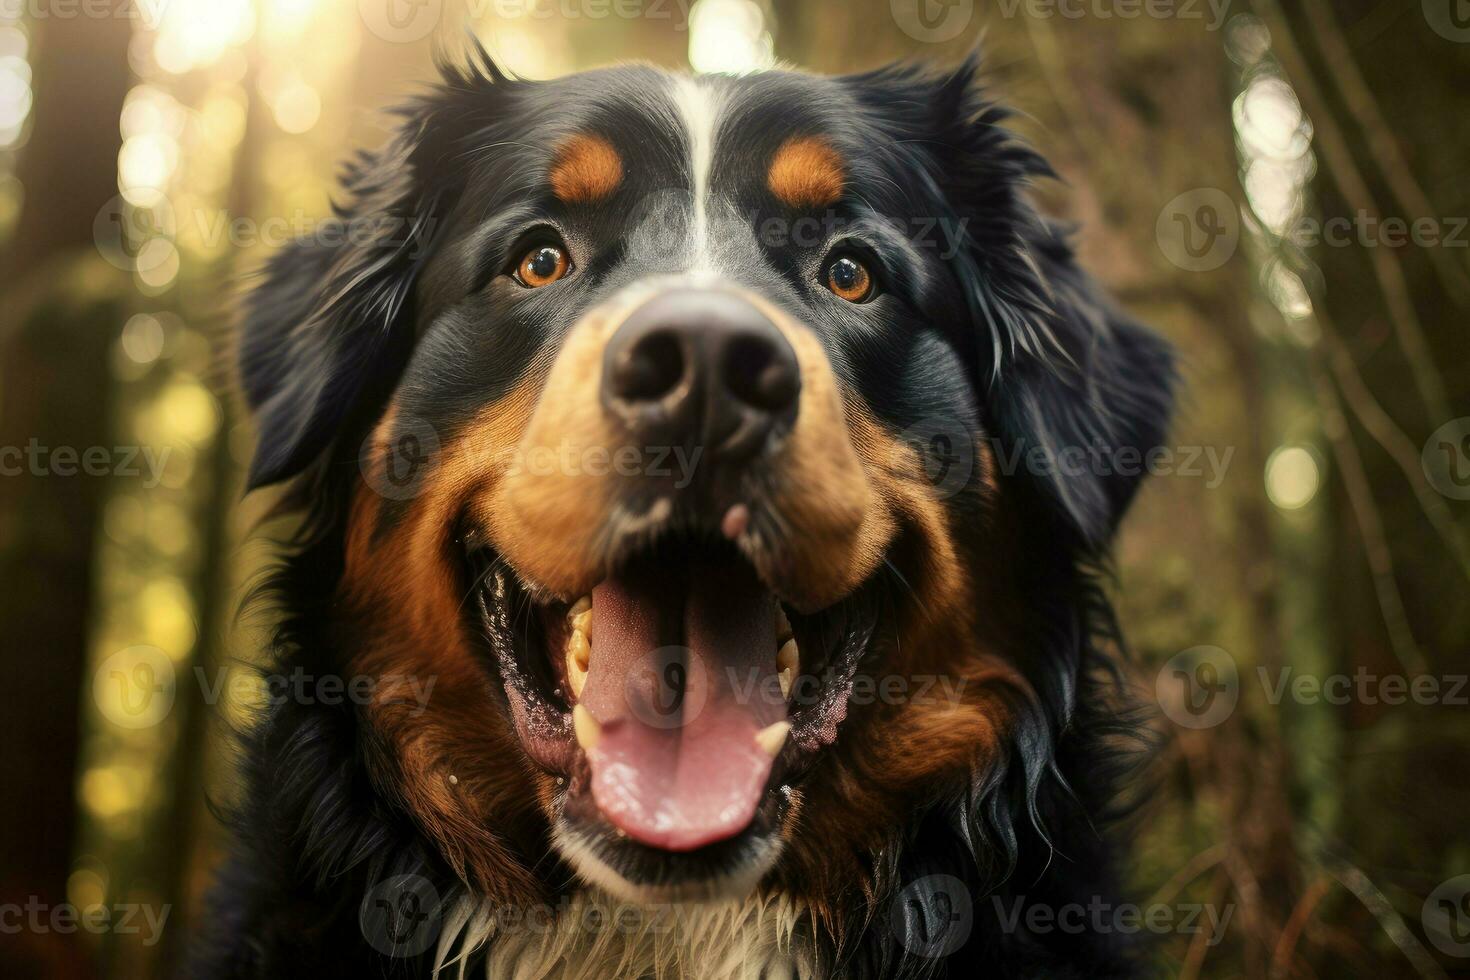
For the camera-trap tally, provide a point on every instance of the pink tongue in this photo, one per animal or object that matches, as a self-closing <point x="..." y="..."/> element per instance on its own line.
<point x="677" y="765"/>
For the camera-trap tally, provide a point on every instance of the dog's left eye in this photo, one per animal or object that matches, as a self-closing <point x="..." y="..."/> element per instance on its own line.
<point x="850" y="279"/>
<point x="542" y="266"/>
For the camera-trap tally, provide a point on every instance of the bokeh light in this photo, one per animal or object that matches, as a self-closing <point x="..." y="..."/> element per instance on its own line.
<point x="194" y="33"/>
<point x="729" y="36"/>
<point x="1292" y="477"/>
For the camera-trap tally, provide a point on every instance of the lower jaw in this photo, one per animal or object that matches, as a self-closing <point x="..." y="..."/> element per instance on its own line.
<point x="727" y="870"/>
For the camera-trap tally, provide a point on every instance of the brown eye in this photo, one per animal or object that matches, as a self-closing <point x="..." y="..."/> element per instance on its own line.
<point x="542" y="266"/>
<point x="849" y="278"/>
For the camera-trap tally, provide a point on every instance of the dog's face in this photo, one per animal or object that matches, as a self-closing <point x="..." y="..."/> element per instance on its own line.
<point x="679" y="403"/>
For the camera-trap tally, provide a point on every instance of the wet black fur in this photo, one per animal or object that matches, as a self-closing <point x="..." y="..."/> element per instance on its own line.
<point x="1026" y="350"/>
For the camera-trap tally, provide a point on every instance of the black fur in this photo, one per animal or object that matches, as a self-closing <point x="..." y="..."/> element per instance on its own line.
<point x="994" y="325"/>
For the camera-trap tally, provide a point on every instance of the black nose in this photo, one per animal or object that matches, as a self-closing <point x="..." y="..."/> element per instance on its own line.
<point x="702" y="368"/>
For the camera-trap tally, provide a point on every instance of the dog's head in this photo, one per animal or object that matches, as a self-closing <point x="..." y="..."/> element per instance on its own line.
<point x="706" y="441"/>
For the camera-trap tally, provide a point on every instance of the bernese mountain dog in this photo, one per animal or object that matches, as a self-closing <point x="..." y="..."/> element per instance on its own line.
<point x="704" y="488"/>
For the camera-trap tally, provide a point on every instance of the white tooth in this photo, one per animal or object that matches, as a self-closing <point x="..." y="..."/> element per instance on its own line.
<point x="772" y="737"/>
<point x="579" y="655"/>
<point x="579" y="617"/>
<point x="785" y="677"/>
<point x="787" y="658"/>
<point x="579" y="649"/>
<point x="576" y="677"/>
<point x="783" y="627"/>
<point x="587" y="729"/>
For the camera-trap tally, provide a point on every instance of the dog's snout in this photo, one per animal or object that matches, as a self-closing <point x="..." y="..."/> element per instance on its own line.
<point x="705" y="368"/>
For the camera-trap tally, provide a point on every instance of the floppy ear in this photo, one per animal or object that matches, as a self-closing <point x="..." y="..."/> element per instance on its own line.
<point x="1090" y="388"/>
<point x="332" y="317"/>
<point x="1069" y="380"/>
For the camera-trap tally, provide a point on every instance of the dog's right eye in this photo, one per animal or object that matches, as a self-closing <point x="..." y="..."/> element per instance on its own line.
<point x="542" y="266"/>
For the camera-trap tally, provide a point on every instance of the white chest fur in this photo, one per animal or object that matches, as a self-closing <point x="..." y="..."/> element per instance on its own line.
<point x="590" y="936"/>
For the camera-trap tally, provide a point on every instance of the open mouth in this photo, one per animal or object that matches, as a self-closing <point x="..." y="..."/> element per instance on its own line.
<point x="677" y="704"/>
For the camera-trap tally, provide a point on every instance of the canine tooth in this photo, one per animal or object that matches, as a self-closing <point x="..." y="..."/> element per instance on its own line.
<point x="772" y="737"/>
<point x="788" y="657"/>
<point x="787" y="662"/>
<point x="783" y="626"/>
<point x="587" y="729"/>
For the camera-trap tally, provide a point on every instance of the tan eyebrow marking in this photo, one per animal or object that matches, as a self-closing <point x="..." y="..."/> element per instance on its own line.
<point x="586" y="168"/>
<point x="806" y="172"/>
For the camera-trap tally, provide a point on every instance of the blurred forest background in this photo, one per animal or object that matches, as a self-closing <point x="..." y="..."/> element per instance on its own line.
<point x="151" y="157"/>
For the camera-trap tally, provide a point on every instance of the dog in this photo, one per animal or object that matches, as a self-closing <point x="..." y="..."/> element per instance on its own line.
<point x="704" y="486"/>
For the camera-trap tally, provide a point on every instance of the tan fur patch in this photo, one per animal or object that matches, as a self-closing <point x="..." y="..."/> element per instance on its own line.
<point x="806" y="172"/>
<point x="840" y="527"/>
<point x="586" y="169"/>
<point x="398" y="608"/>
<point x="545" y="515"/>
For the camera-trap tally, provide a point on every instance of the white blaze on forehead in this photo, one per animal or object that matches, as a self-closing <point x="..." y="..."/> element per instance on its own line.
<point x="699" y="109"/>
